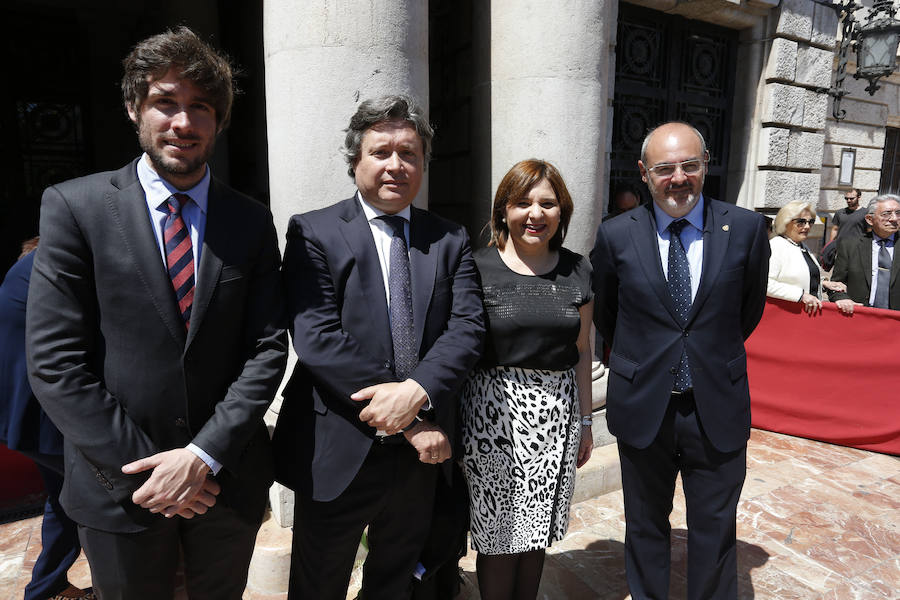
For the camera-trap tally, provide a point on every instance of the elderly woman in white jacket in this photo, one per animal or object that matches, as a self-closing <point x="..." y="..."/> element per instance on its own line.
<point x="794" y="273"/>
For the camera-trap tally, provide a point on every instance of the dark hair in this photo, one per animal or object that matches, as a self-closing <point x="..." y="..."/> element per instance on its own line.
<point x="196" y="61"/>
<point x="385" y="108"/>
<point x="516" y="184"/>
<point x="624" y="187"/>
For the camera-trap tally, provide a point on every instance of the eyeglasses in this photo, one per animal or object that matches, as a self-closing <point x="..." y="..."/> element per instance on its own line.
<point x="889" y="213"/>
<point x="688" y="167"/>
<point x="802" y="222"/>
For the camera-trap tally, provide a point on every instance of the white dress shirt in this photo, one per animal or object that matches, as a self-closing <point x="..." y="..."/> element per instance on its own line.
<point x="876" y="247"/>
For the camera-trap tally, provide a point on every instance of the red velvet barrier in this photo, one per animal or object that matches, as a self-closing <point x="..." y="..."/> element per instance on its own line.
<point x="828" y="377"/>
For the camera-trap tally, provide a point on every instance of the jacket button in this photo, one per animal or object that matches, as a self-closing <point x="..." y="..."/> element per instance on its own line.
<point x="387" y="364"/>
<point x="684" y="333"/>
<point x="179" y="422"/>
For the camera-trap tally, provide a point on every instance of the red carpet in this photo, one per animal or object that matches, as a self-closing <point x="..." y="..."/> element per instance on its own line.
<point x="827" y="377"/>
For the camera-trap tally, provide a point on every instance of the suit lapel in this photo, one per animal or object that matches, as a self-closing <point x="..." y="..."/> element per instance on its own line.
<point x="895" y="262"/>
<point x="864" y="249"/>
<point x="716" y="233"/>
<point x="643" y="236"/>
<point x="218" y="218"/>
<point x="358" y="235"/>
<point x="423" y="267"/>
<point x="128" y="210"/>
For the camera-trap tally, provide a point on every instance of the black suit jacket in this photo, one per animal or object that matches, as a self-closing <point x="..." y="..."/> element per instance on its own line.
<point x="853" y="266"/>
<point x="634" y="311"/>
<point x="342" y="335"/>
<point x="110" y="360"/>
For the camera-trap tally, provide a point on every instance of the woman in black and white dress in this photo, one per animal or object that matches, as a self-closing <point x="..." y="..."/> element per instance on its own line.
<point x="527" y="406"/>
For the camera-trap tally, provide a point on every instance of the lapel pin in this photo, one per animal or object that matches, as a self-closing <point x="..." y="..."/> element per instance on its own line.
<point x="724" y="227"/>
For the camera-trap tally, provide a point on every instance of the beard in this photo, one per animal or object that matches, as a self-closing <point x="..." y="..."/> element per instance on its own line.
<point x="166" y="165"/>
<point x="665" y="199"/>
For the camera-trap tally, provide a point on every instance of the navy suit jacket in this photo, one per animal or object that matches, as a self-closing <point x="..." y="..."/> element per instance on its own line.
<point x="111" y="363"/>
<point x="342" y="335"/>
<point x="23" y="424"/>
<point x="635" y="313"/>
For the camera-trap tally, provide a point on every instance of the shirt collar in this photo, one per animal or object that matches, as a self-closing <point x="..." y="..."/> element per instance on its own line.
<point x="695" y="217"/>
<point x="158" y="190"/>
<point x="373" y="213"/>
<point x="890" y="240"/>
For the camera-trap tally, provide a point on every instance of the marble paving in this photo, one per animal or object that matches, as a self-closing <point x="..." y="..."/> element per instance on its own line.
<point x="815" y="521"/>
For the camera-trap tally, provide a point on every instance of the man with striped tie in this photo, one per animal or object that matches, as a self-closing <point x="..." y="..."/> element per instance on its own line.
<point x="155" y="340"/>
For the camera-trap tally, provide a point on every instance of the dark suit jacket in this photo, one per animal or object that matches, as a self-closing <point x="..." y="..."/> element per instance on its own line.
<point x="23" y="425"/>
<point x="853" y="266"/>
<point x="342" y="336"/>
<point x="634" y="310"/>
<point x="111" y="363"/>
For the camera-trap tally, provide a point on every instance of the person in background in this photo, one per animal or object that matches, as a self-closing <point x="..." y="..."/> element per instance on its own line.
<point x="527" y="407"/>
<point x="625" y="197"/>
<point x="26" y="428"/>
<point x="840" y="217"/>
<point x="867" y="264"/>
<point x="794" y="274"/>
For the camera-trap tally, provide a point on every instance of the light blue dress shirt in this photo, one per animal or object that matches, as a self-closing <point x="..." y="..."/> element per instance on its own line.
<point x="157" y="192"/>
<point x="691" y="239"/>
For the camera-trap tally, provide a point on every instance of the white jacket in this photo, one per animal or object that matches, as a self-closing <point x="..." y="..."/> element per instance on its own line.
<point x="788" y="271"/>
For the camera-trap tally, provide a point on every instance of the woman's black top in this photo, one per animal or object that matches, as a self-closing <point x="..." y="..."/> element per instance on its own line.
<point x="533" y="320"/>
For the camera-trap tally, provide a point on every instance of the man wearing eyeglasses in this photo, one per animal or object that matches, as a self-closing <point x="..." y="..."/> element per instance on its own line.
<point x="866" y="264"/>
<point x="839" y="220"/>
<point x="679" y="285"/>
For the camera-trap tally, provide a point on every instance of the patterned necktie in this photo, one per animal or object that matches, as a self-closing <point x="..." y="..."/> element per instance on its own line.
<point x="399" y="288"/>
<point x="680" y="289"/>
<point x="883" y="279"/>
<point x="180" y="256"/>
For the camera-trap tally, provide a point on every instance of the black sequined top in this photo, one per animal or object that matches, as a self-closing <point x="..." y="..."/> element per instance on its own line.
<point x="533" y="320"/>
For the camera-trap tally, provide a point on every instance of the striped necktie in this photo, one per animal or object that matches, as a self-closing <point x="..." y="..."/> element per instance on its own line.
<point x="180" y="256"/>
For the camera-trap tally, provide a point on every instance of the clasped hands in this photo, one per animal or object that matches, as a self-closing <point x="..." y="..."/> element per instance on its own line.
<point x="392" y="406"/>
<point x="178" y="484"/>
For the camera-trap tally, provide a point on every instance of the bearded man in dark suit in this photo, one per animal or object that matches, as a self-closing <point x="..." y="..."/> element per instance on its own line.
<point x="679" y="285"/>
<point x="387" y="320"/>
<point x="155" y="340"/>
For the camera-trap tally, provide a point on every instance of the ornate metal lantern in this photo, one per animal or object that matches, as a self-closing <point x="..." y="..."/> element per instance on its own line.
<point x="876" y="46"/>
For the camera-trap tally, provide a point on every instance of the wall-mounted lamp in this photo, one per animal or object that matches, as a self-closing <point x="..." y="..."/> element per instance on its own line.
<point x="876" y="46"/>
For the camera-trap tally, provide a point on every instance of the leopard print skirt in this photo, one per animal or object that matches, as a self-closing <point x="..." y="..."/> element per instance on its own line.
<point x="521" y="430"/>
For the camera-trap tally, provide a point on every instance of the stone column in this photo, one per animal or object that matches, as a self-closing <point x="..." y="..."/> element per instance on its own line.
<point x="322" y="59"/>
<point x="549" y="83"/>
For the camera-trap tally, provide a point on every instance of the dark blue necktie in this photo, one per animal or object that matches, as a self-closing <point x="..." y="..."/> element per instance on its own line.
<point x="680" y="288"/>
<point x="400" y="291"/>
